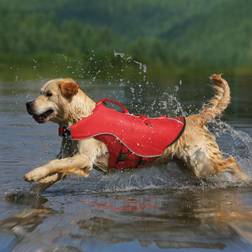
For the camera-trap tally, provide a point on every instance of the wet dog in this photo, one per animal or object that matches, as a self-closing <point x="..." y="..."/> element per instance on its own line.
<point x="63" y="102"/>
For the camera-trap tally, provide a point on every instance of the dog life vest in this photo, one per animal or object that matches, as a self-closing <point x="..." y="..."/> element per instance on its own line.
<point x="131" y="140"/>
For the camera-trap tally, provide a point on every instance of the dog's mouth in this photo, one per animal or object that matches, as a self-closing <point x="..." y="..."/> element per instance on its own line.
<point x="43" y="117"/>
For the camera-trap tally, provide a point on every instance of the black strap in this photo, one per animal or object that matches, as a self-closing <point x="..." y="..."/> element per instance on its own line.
<point x="64" y="131"/>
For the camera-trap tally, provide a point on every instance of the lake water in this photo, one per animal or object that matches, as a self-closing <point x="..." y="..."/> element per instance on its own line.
<point x="152" y="209"/>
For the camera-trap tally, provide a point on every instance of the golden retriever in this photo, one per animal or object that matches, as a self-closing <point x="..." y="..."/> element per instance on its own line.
<point x="63" y="102"/>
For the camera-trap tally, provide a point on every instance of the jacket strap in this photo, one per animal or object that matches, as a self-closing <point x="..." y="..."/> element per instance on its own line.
<point x="120" y="105"/>
<point x="64" y="131"/>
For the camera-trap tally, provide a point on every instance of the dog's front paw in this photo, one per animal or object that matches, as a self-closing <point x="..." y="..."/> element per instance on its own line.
<point x="30" y="177"/>
<point x="35" y="175"/>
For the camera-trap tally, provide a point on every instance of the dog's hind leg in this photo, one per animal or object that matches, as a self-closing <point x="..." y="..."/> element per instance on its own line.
<point x="205" y="159"/>
<point x="205" y="164"/>
<point x="230" y="165"/>
<point x="200" y="151"/>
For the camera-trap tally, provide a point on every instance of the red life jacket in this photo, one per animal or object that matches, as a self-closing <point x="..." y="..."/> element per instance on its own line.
<point x="132" y="140"/>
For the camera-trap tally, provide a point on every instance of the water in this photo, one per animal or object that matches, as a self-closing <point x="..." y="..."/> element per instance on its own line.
<point x="155" y="209"/>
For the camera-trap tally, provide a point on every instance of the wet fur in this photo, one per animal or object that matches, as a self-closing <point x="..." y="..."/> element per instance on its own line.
<point x="197" y="147"/>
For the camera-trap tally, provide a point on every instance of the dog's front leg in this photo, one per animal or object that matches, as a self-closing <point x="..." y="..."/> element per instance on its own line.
<point x="68" y="148"/>
<point x="46" y="182"/>
<point x="79" y="164"/>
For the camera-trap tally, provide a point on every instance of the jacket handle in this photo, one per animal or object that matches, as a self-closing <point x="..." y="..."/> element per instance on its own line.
<point x="120" y="105"/>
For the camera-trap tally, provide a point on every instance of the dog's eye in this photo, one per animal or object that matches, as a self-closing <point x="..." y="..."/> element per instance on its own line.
<point x="48" y="94"/>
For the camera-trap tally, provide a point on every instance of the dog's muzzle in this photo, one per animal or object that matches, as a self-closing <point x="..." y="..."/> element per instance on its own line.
<point x="29" y="106"/>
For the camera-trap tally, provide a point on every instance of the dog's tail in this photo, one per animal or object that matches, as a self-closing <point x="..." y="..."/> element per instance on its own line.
<point x="219" y="102"/>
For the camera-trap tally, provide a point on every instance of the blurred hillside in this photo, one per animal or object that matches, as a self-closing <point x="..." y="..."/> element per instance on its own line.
<point x="181" y="35"/>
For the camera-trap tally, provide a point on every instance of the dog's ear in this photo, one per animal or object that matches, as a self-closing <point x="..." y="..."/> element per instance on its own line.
<point x="68" y="88"/>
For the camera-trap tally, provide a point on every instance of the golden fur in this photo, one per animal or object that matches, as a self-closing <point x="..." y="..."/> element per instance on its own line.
<point x="67" y="104"/>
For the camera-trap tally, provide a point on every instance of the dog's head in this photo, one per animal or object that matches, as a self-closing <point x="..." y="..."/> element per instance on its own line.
<point x="53" y="100"/>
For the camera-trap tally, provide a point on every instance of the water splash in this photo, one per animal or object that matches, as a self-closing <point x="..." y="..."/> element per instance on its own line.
<point x="171" y="176"/>
<point x="145" y="97"/>
<point x="236" y="143"/>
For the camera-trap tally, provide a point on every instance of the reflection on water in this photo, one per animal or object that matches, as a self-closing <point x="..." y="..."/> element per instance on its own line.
<point x="149" y="220"/>
<point x="92" y="215"/>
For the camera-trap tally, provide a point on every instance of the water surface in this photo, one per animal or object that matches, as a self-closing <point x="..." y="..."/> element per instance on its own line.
<point x="156" y="209"/>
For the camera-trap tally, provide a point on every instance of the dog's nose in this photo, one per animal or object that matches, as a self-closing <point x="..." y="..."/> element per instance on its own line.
<point x="29" y="107"/>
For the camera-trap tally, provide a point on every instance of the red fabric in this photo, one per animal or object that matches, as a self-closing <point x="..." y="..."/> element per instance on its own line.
<point x="119" y="156"/>
<point x="138" y="139"/>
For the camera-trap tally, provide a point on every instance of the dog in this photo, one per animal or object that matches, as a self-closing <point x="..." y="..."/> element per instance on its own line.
<point x="63" y="102"/>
